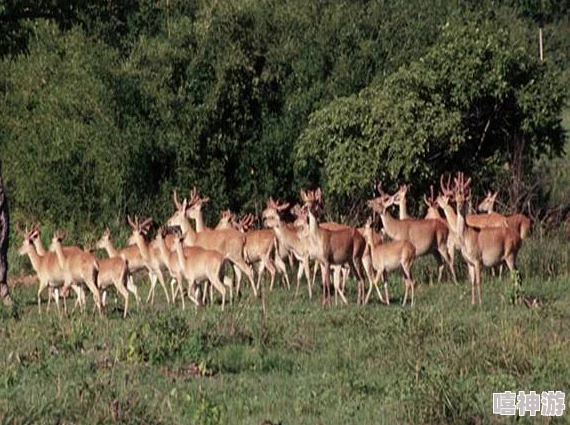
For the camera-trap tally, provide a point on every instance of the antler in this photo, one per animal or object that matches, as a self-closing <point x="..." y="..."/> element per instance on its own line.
<point x="271" y="203"/>
<point x="446" y="188"/>
<point x="245" y="222"/>
<point x="431" y="200"/>
<point x="175" y="199"/>
<point x="462" y="189"/>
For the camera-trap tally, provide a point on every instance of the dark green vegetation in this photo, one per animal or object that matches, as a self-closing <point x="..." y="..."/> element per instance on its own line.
<point x="436" y="363"/>
<point x="109" y="106"/>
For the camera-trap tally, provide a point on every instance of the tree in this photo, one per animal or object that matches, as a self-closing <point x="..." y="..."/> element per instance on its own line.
<point x="4" y="241"/>
<point x="476" y="102"/>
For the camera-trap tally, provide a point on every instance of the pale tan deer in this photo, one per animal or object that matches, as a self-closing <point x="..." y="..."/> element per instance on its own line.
<point x="130" y="255"/>
<point x="114" y="272"/>
<point x="80" y="267"/>
<point x="428" y="236"/>
<point x="260" y="249"/>
<point x="170" y="260"/>
<point x="199" y="264"/>
<point x="333" y="247"/>
<point x="484" y="247"/>
<point x="47" y="268"/>
<point x="387" y="257"/>
<point x="228" y="242"/>
<point x="518" y="222"/>
<point x="227" y="220"/>
<point x="53" y="291"/>
<point x="289" y="239"/>
<point x="149" y="253"/>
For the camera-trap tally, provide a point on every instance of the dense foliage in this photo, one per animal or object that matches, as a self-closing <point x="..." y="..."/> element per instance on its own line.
<point x="109" y="106"/>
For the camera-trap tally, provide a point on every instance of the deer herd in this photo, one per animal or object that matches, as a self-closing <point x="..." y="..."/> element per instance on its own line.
<point x="202" y="256"/>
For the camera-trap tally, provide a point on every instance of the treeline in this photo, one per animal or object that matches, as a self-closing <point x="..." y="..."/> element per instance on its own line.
<point x="108" y="106"/>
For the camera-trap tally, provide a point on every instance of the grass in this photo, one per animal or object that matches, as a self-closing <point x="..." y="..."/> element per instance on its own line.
<point x="438" y="363"/>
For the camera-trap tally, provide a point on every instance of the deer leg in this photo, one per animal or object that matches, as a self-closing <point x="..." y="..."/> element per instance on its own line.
<point x="280" y="265"/>
<point x="315" y="268"/>
<point x="478" y="281"/>
<point x="385" y="281"/>
<point x="270" y="266"/>
<point x="217" y="283"/>
<point x="240" y="263"/>
<point x="132" y="288"/>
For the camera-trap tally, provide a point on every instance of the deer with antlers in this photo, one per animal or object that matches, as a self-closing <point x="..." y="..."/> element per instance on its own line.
<point x="79" y="267"/>
<point x="228" y="242"/>
<point x="289" y="239"/>
<point x="149" y="253"/>
<point x="47" y="268"/>
<point x="480" y="248"/>
<point x="429" y="236"/>
<point x="328" y="247"/>
<point x="387" y="257"/>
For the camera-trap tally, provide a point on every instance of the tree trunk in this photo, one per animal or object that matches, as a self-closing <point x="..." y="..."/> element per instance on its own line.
<point x="4" y="240"/>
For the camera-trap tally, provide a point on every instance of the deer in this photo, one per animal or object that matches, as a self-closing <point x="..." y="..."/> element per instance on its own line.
<point x="228" y="242"/>
<point x="114" y="272"/>
<point x="170" y="260"/>
<point x="47" y="268"/>
<point x="130" y="255"/>
<point x="484" y="247"/>
<point x="518" y="222"/>
<point x="261" y="248"/>
<point x="198" y="264"/>
<point x="429" y="236"/>
<point x="332" y="247"/>
<point x="289" y="239"/>
<point x="387" y="257"/>
<point x="42" y="251"/>
<point x="227" y="220"/>
<point x="432" y="213"/>
<point x="79" y="267"/>
<point x="150" y="255"/>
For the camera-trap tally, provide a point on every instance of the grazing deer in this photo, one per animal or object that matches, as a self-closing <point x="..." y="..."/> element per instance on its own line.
<point x="130" y="255"/>
<point x="150" y="255"/>
<point x="79" y="267"/>
<point x="428" y="236"/>
<point x="333" y="247"/>
<point x="289" y="239"/>
<point x="228" y="242"/>
<point x="198" y="264"/>
<point x="484" y="247"/>
<point x="387" y="257"/>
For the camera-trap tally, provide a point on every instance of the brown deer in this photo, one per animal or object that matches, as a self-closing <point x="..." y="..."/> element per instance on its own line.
<point x="518" y="222"/>
<point x="387" y="257"/>
<point x="428" y="236"/>
<point x="333" y="247"/>
<point x="484" y="247"/>
<point x="228" y="242"/>
<point x="80" y="267"/>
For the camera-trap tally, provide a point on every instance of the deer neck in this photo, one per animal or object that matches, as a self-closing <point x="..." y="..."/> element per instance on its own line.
<point x="200" y="226"/>
<point x="188" y="230"/>
<point x="59" y="254"/>
<point x="179" y="255"/>
<point x="460" y="222"/>
<point x="34" y="257"/>
<point x="39" y="246"/>
<point x="403" y="209"/>
<point x="111" y="250"/>
<point x="391" y="225"/>
<point x="164" y="254"/>
<point x="450" y="215"/>
<point x="143" y="248"/>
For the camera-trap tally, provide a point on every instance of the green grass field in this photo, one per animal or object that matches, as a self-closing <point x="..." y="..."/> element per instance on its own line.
<point x="438" y="363"/>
